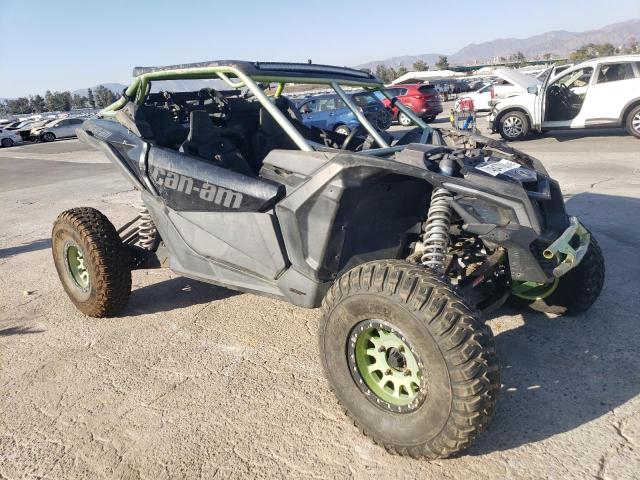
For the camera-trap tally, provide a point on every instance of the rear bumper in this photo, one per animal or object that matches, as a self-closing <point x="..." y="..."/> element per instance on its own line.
<point x="429" y="111"/>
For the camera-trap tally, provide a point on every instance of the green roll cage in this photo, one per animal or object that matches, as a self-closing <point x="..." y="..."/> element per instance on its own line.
<point x="234" y="76"/>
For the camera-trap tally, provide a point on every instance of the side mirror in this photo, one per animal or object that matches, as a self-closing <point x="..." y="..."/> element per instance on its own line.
<point x="533" y="89"/>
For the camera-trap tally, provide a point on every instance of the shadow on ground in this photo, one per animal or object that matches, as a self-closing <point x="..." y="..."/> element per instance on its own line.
<point x="9" y="331"/>
<point x="568" y="135"/>
<point x="40" y="244"/>
<point x="561" y="373"/>
<point x="175" y="293"/>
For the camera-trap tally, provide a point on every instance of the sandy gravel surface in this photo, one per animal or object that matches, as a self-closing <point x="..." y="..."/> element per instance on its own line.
<point x="195" y="381"/>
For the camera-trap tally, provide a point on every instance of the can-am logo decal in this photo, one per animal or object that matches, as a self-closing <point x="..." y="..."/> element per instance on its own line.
<point x="189" y="186"/>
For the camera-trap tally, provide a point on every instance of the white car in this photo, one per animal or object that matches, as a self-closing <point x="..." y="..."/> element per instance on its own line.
<point x="61" y="128"/>
<point x="602" y="92"/>
<point x="9" y="138"/>
<point x="507" y="84"/>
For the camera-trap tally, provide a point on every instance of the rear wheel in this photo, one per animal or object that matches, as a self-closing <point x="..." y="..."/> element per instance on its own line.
<point x="48" y="137"/>
<point x="7" y="142"/>
<point x="571" y="294"/>
<point x="633" y="122"/>
<point x="430" y="118"/>
<point x="92" y="263"/>
<point x="342" y="130"/>
<point x="409" y="361"/>
<point x="403" y="119"/>
<point x="514" y="126"/>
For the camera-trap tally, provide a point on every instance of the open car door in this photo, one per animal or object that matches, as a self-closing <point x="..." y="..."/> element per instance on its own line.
<point x="539" y="104"/>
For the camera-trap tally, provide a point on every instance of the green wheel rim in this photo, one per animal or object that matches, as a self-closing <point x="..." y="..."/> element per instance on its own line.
<point x="533" y="290"/>
<point x="77" y="268"/>
<point x="387" y="365"/>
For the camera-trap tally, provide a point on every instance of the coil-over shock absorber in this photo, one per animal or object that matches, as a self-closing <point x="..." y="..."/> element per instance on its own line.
<point x="147" y="232"/>
<point x="140" y="231"/>
<point x="435" y="239"/>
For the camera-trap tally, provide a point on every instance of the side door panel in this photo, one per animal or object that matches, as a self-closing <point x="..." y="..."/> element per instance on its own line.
<point x="608" y="96"/>
<point x="221" y="215"/>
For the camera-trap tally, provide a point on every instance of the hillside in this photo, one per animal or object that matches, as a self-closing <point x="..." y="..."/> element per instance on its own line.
<point x="556" y="42"/>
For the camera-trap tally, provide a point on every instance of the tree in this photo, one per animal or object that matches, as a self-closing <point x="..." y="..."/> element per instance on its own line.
<point x="104" y="97"/>
<point x="59" y="102"/>
<point x="633" y="46"/>
<point x="518" y="57"/>
<point x="78" y="101"/>
<point x="48" y="100"/>
<point x="420" y="66"/>
<point x="386" y="74"/>
<point x="18" y="106"/>
<point x="442" y="63"/>
<point x="91" y="100"/>
<point x="547" y="56"/>
<point x="37" y="104"/>
<point x="401" y="71"/>
<point x="592" y="50"/>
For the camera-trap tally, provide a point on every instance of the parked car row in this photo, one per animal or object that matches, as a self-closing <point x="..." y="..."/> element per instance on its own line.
<point x="46" y="130"/>
<point x="329" y="112"/>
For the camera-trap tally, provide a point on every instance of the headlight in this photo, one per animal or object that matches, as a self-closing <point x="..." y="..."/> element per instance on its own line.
<point x="484" y="211"/>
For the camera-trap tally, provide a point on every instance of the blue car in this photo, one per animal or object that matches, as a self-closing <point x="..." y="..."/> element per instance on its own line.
<point x="329" y="112"/>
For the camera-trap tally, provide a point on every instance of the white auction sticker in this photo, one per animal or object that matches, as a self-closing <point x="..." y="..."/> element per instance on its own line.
<point x="496" y="168"/>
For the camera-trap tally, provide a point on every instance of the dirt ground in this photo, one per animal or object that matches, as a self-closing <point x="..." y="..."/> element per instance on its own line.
<point x="196" y="381"/>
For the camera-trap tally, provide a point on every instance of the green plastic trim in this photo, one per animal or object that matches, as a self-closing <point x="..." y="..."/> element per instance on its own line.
<point x="534" y="290"/>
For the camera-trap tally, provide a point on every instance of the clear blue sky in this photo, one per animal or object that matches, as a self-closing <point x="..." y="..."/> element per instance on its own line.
<point x="71" y="44"/>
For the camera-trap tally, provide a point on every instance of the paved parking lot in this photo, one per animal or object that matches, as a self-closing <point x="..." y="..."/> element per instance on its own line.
<point x="198" y="381"/>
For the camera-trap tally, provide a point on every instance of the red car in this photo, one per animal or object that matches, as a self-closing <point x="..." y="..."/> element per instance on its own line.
<point x="423" y="99"/>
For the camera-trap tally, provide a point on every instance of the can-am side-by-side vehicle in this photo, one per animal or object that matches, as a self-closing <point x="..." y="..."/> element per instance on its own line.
<point x="403" y="241"/>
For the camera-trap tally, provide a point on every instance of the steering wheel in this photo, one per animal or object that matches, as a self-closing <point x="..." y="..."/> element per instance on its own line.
<point x="350" y="137"/>
<point x="565" y="96"/>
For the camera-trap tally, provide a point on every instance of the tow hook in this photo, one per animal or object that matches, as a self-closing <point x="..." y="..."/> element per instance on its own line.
<point x="562" y="248"/>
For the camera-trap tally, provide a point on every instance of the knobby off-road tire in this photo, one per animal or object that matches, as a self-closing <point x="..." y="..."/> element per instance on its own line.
<point x="92" y="264"/>
<point x="455" y="353"/>
<point x="577" y="290"/>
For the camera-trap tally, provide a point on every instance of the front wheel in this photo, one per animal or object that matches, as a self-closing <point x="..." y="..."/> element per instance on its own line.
<point x="48" y="137"/>
<point x="92" y="263"/>
<point x="514" y="126"/>
<point x="633" y="122"/>
<point x="342" y="130"/>
<point x="409" y="361"/>
<point x="404" y="119"/>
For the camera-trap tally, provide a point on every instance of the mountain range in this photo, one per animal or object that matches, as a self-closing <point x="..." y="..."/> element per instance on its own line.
<point x="557" y="43"/>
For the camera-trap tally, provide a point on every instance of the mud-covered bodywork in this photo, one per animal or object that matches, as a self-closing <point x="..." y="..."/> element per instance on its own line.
<point x="242" y="204"/>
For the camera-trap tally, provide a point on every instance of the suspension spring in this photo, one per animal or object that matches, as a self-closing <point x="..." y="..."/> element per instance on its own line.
<point x="147" y="232"/>
<point x="435" y="240"/>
